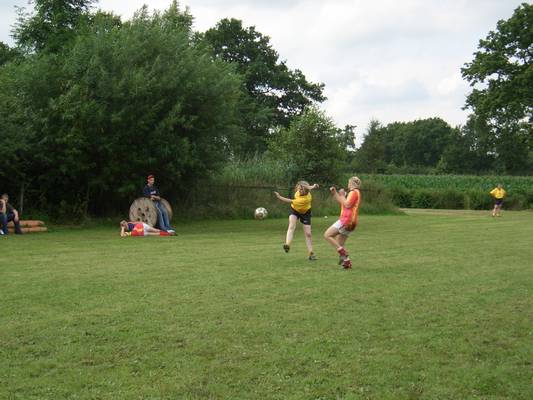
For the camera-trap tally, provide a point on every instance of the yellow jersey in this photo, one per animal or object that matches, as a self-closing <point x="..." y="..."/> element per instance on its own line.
<point x="498" y="193"/>
<point x="300" y="203"/>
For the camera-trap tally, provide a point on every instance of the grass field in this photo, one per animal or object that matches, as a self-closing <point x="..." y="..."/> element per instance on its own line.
<point x="438" y="306"/>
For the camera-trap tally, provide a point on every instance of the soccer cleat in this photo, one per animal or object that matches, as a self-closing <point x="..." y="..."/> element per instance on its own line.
<point x="347" y="264"/>
<point x="312" y="257"/>
<point x="341" y="260"/>
<point x="286" y="247"/>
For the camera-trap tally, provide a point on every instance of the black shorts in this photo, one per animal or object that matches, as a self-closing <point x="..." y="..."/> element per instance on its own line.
<point x="304" y="218"/>
<point x="498" y="202"/>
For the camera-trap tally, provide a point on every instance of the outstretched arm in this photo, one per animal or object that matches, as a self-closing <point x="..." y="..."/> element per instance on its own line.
<point x="284" y="199"/>
<point x="340" y="196"/>
<point x="310" y="187"/>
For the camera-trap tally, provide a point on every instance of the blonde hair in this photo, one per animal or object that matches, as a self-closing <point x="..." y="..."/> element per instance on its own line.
<point x="355" y="182"/>
<point x="300" y="184"/>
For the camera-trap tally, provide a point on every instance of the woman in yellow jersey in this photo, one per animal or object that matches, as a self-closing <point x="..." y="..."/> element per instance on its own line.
<point x="300" y="210"/>
<point x="498" y="193"/>
<point x="337" y="233"/>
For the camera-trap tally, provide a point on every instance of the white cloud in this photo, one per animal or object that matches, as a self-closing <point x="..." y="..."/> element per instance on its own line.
<point x="385" y="59"/>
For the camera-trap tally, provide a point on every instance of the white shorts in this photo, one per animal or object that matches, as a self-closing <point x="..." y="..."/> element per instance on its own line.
<point x="340" y="227"/>
<point x="145" y="228"/>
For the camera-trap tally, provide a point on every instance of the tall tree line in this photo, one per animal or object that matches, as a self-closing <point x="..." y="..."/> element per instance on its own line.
<point x="89" y="104"/>
<point x="498" y="135"/>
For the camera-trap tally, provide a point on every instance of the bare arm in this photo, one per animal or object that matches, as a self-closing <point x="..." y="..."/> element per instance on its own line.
<point x="340" y="196"/>
<point x="284" y="199"/>
<point x="310" y="187"/>
<point x="2" y="206"/>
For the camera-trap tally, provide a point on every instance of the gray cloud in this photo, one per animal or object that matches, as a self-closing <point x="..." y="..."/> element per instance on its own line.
<point x="387" y="59"/>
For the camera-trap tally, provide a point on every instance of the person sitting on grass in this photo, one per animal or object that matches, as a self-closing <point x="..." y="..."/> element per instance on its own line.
<point x="300" y="210"/>
<point x="137" y="228"/>
<point x="8" y="213"/>
<point x="337" y="233"/>
<point x="498" y="193"/>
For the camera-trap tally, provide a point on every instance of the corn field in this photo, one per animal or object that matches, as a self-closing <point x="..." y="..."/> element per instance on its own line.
<point x="461" y="183"/>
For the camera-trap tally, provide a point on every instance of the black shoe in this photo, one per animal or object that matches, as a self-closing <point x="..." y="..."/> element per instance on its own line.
<point x="312" y="257"/>
<point x="286" y="247"/>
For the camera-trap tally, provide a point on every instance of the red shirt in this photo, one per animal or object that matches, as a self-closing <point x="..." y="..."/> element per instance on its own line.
<point x="138" y="229"/>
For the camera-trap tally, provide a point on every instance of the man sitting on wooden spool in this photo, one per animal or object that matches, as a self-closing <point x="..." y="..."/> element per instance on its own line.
<point x="151" y="192"/>
<point x="8" y="213"/>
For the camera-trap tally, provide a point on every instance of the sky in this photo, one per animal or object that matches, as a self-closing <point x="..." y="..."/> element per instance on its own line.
<point x="388" y="60"/>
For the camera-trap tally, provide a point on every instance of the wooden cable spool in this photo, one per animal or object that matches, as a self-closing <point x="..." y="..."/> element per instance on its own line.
<point x="144" y="210"/>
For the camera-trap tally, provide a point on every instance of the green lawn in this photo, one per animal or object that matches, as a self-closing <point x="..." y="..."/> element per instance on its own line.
<point x="439" y="305"/>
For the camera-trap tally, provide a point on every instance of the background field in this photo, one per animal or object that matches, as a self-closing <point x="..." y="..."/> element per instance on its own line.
<point x="454" y="191"/>
<point x="439" y="305"/>
<point x="520" y="184"/>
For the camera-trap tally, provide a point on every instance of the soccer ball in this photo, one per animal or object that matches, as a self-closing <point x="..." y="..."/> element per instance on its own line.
<point x="260" y="213"/>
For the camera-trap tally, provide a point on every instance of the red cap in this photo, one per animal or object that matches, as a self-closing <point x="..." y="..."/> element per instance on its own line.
<point x="149" y="177"/>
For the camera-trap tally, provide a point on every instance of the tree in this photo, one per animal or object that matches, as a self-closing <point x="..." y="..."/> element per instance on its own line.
<point x="120" y="101"/>
<point x="416" y="145"/>
<point x="311" y="147"/>
<point x="276" y="94"/>
<point x="425" y="140"/>
<point x="501" y="75"/>
<point x="7" y="53"/>
<point x="51" y="26"/>
<point x="470" y="151"/>
<point x="370" y="157"/>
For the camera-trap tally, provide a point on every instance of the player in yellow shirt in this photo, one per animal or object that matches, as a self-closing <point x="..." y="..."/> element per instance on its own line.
<point x="300" y="210"/>
<point x="498" y="193"/>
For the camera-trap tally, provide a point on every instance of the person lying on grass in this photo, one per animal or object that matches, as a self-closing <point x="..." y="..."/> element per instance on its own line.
<point x="136" y="228"/>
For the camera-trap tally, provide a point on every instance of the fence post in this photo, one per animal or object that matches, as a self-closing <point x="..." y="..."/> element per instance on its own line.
<point x="21" y="201"/>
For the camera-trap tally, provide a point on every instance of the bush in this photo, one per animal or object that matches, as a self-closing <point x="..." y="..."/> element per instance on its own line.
<point x="529" y="199"/>
<point x="449" y="199"/>
<point x="401" y="197"/>
<point x="376" y="199"/>
<point x="478" y="200"/>
<point x="515" y="201"/>
<point x="422" y="199"/>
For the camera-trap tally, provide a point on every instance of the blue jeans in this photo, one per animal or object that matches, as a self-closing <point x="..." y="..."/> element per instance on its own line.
<point x="5" y="218"/>
<point x="162" y="216"/>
